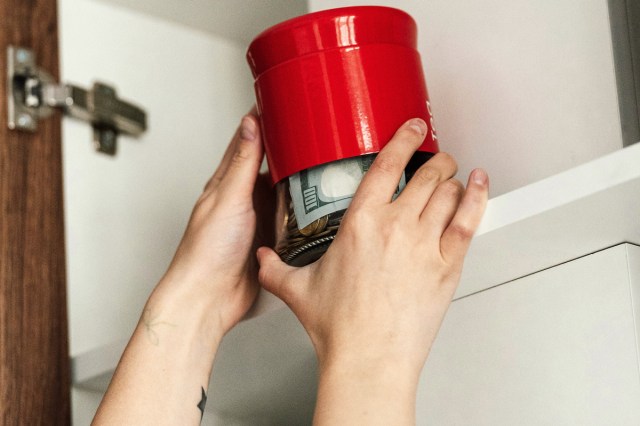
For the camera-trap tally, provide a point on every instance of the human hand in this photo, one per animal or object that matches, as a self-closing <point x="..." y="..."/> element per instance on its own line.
<point x="215" y="260"/>
<point x="378" y="295"/>
<point x="164" y="371"/>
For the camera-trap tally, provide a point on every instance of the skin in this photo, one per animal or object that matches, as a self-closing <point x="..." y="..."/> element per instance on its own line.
<point x="374" y="302"/>
<point x="209" y="286"/>
<point x="372" y="305"/>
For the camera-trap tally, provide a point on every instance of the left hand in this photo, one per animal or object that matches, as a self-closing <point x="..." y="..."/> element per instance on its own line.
<point x="209" y="286"/>
<point x="216" y="260"/>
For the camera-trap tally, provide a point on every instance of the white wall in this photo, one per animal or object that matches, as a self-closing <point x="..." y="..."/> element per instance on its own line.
<point x="523" y="88"/>
<point x="125" y="215"/>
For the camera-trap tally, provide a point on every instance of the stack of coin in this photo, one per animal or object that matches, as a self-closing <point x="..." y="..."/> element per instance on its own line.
<point x="299" y="247"/>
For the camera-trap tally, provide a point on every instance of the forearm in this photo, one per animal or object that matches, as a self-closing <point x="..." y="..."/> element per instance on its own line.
<point x="361" y="392"/>
<point x="164" y="371"/>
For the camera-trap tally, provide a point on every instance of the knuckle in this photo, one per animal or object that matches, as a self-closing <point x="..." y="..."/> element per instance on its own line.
<point x="241" y="156"/>
<point x="288" y="292"/>
<point x="447" y="159"/>
<point x="395" y="228"/>
<point x="461" y="231"/>
<point x="204" y="200"/>
<point x="385" y="164"/>
<point x="398" y="228"/>
<point x="354" y="213"/>
<point x="203" y="206"/>
<point x="264" y="275"/>
<point x="356" y="217"/>
<point x="453" y="188"/>
<point x="427" y="175"/>
<point x="213" y="183"/>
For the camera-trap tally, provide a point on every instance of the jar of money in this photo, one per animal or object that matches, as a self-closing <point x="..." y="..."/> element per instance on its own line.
<point x="332" y="87"/>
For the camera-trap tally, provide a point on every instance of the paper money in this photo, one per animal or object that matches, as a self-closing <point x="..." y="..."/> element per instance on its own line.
<point x="329" y="188"/>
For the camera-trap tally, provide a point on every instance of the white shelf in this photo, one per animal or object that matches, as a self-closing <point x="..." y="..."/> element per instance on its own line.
<point x="572" y="214"/>
<point x="566" y="216"/>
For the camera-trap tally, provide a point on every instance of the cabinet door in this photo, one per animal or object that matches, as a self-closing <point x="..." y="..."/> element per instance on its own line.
<point x="184" y="63"/>
<point x="34" y="372"/>
<point x="554" y="348"/>
<point x="125" y="214"/>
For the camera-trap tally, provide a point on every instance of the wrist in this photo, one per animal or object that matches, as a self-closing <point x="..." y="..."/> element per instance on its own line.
<point x="364" y="352"/>
<point x="182" y="302"/>
<point x="366" y="390"/>
<point x="395" y="371"/>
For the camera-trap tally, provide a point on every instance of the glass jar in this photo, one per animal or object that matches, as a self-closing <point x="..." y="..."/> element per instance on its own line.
<point x="320" y="196"/>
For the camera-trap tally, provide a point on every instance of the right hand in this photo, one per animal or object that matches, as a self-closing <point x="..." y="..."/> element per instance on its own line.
<point x="381" y="290"/>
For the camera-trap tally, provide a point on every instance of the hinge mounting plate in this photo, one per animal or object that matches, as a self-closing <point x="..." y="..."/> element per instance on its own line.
<point x="32" y="95"/>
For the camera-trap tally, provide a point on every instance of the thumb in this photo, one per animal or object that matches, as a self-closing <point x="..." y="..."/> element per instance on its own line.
<point x="276" y="276"/>
<point x="244" y="163"/>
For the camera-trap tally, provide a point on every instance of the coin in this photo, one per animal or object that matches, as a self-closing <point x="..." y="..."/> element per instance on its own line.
<point x="315" y="227"/>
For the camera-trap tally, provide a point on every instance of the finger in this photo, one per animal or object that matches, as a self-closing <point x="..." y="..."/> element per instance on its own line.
<point x="440" y="168"/>
<point x="441" y="208"/>
<point x="228" y="153"/>
<point x="381" y="181"/>
<point x="222" y="167"/>
<point x="276" y="276"/>
<point x="240" y="177"/>
<point x="457" y="237"/>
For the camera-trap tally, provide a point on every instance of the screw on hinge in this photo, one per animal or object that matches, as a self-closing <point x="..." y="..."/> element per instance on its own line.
<point x="105" y="139"/>
<point x="23" y="55"/>
<point x="25" y="120"/>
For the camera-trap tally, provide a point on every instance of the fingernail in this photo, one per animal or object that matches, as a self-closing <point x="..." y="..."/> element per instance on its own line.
<point x="248" y="129"/>
<point x="479" y="176"/>
<point x="418" y="125"/>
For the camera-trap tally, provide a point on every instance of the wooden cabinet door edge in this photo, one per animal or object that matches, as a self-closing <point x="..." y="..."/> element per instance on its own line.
<point x="34" y="366"/>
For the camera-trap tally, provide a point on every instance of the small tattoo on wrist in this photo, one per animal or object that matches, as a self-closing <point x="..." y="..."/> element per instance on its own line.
<point x="150" y="322"/>
<point x="202" y="403"/>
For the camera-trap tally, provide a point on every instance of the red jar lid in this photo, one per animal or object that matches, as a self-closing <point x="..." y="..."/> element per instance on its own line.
<point x="329" y="29"/>
<point x="337" y="84"/>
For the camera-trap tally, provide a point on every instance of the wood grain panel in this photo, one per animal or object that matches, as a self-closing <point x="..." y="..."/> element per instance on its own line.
<point x="34" y="368"/>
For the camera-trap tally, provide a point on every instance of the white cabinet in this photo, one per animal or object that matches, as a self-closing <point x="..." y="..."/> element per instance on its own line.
<point x="554" y="348"/>
<point x="525" y="89"/>
<point x="265" y="371"/>
<point x="124" y="215"/>
<point x="557" y="347"/>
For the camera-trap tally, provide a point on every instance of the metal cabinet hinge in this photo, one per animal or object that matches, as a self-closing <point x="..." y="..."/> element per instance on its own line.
<point x="33" y="94"/>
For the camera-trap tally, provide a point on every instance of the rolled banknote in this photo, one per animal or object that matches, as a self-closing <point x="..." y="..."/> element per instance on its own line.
<point x="328" y="188"/>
